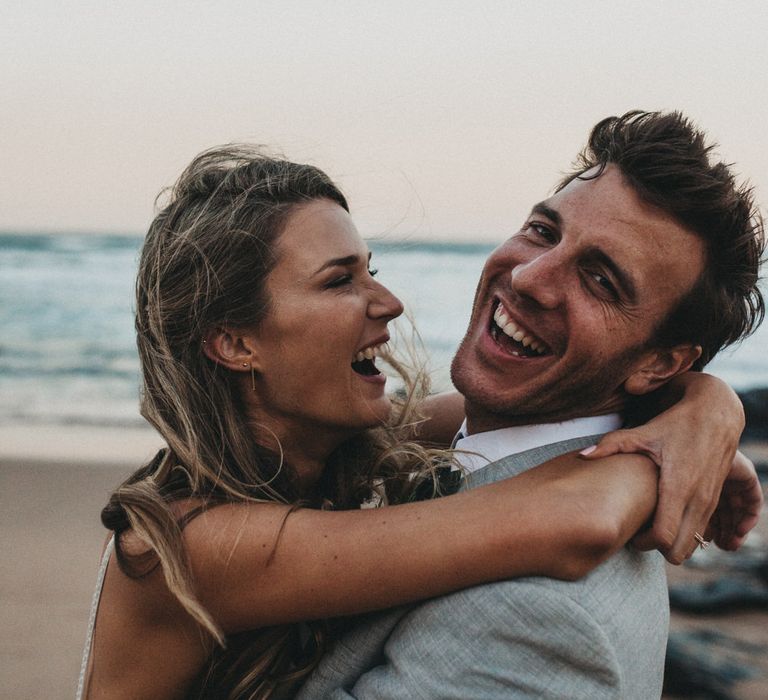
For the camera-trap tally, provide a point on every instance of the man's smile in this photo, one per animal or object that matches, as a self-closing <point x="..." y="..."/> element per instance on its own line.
<point x="513" y="337"/>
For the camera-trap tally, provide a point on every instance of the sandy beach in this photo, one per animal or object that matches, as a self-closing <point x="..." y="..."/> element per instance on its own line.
<point x="53" y="484"/>
<point x="52" y="487"/>
<point x="49" y="517"/>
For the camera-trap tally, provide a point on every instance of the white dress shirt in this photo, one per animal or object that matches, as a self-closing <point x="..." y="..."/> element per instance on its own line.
<point x="492" y="445"/>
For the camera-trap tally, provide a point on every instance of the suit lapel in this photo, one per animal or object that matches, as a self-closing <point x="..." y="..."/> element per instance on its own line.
<point x="523" y="461"/>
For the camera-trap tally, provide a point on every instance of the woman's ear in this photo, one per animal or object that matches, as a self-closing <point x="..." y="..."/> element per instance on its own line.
<point x="659" y="366"/>
<point x="233" y="349"/>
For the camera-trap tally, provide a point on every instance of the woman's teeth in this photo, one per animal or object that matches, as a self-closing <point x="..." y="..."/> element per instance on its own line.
<point x="371" y="352"/>
<point x="518" y="334"/>
<point x="365" y="360"/>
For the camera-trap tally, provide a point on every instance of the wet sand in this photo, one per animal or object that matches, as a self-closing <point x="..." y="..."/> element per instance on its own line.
<point x="51" y="538"/>
<point x="53" y="483"/>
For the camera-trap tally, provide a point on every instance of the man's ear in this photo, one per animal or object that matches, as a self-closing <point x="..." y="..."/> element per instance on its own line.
<point x="233" y="349"/>
<point x="659" y="366"/>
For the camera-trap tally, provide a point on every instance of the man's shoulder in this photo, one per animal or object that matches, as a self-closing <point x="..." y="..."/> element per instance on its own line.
<point x="613" y="623"/>
<point x="627" y="581"/>
<point x="616" y="585"/>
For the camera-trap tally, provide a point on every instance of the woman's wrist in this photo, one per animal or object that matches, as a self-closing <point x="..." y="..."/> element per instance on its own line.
<point x="709" y="391"/>
<point x="578" y="513"/>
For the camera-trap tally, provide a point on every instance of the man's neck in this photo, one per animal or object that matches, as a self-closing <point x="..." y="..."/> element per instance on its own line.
<point x="479" y="420"/>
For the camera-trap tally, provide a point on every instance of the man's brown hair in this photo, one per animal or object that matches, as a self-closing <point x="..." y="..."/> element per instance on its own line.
<point x="667" y="161"/>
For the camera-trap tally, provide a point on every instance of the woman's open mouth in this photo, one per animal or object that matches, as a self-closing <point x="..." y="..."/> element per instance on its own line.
<point x="513" y="338"/>
<point x="365" y="360"/>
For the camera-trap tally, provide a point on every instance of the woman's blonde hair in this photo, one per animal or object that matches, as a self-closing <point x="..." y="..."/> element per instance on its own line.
<point x="203" y="265"/>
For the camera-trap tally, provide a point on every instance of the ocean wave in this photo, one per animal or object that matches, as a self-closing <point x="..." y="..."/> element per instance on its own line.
<point x="67" y="353"/>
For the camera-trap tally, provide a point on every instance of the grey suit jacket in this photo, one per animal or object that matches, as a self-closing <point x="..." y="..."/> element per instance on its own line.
<point x="601" y="637"/>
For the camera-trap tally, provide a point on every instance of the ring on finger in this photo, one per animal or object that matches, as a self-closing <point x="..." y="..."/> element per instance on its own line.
<point x="702" y="542"/>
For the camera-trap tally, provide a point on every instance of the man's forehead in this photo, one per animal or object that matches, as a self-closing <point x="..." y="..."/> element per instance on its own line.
<point x="603" y="197"/>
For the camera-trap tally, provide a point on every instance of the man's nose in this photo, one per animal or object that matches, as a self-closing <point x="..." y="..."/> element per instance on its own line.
<point x="384" y="304"/>
<point x="541" y="279"/>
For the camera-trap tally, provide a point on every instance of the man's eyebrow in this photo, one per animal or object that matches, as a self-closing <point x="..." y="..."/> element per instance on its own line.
<point x="346" y="261"/>
<point x="552" y="214"/>
<point x="624" y="279"/>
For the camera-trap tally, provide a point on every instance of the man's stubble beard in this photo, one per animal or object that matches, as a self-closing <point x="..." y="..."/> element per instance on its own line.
<point x="584" y="392"/>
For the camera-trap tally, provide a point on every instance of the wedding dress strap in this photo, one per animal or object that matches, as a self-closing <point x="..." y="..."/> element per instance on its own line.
<point x="92" y="617"/>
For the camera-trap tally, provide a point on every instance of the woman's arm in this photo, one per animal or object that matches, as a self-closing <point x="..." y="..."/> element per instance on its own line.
<point x="694" y="442"/>
<point x="443" y="415"/>
<point x="259" y="565"/>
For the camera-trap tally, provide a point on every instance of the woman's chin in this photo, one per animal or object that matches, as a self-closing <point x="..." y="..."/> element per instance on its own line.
<point x="376" y="413"/>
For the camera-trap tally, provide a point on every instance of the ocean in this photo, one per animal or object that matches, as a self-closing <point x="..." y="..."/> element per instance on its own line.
<point x="67" y="353"/>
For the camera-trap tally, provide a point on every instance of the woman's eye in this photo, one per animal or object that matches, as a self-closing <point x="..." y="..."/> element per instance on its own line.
<point x="342" y="280"/>
<point x="339" y="281"/>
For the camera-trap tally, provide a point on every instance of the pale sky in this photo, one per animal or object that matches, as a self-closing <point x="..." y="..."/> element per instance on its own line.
<point x="439" y="119"/>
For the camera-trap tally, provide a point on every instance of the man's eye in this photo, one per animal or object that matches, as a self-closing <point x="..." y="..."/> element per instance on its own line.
<point x="605" y="283"/>
<point x="541" y="231"/>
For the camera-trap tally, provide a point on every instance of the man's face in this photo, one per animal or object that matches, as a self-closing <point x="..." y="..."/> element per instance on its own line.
<point x="580" y="289"/>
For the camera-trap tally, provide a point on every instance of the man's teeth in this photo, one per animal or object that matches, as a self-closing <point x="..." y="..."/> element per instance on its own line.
<point x="370" y="353"/>
<point x="511" y="329"/>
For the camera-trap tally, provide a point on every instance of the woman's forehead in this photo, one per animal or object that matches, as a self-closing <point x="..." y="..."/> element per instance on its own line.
<point x="318" y="232"/>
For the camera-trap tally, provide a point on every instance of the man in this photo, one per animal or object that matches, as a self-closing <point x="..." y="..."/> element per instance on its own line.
<point x="643" y="264"/>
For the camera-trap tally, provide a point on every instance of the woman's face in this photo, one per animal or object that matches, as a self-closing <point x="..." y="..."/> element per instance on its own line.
<point x="325" y="310"/>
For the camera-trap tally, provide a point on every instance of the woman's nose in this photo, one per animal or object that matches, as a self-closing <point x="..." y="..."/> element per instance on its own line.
<point x="384" y="304"/>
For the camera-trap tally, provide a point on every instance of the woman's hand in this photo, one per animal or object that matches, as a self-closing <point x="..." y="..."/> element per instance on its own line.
<point x="694" y="443"/>
<point x="443" y="414"/>
<point x="741" y="501"/>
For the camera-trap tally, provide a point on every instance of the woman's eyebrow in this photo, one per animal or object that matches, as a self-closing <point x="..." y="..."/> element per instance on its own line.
<point x="338" y="262"/>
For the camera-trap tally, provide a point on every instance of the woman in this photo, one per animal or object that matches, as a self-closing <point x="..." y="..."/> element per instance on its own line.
<point x="259" y="328"/>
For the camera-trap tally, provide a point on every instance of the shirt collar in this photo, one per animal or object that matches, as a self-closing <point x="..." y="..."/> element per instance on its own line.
<point x="492" y="445"/>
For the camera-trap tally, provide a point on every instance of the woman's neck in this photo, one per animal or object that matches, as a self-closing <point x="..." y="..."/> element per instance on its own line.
<point x="305" y="449"/>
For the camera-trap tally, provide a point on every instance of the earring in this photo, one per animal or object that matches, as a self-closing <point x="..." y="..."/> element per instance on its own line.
<point x="253" y="375"/>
